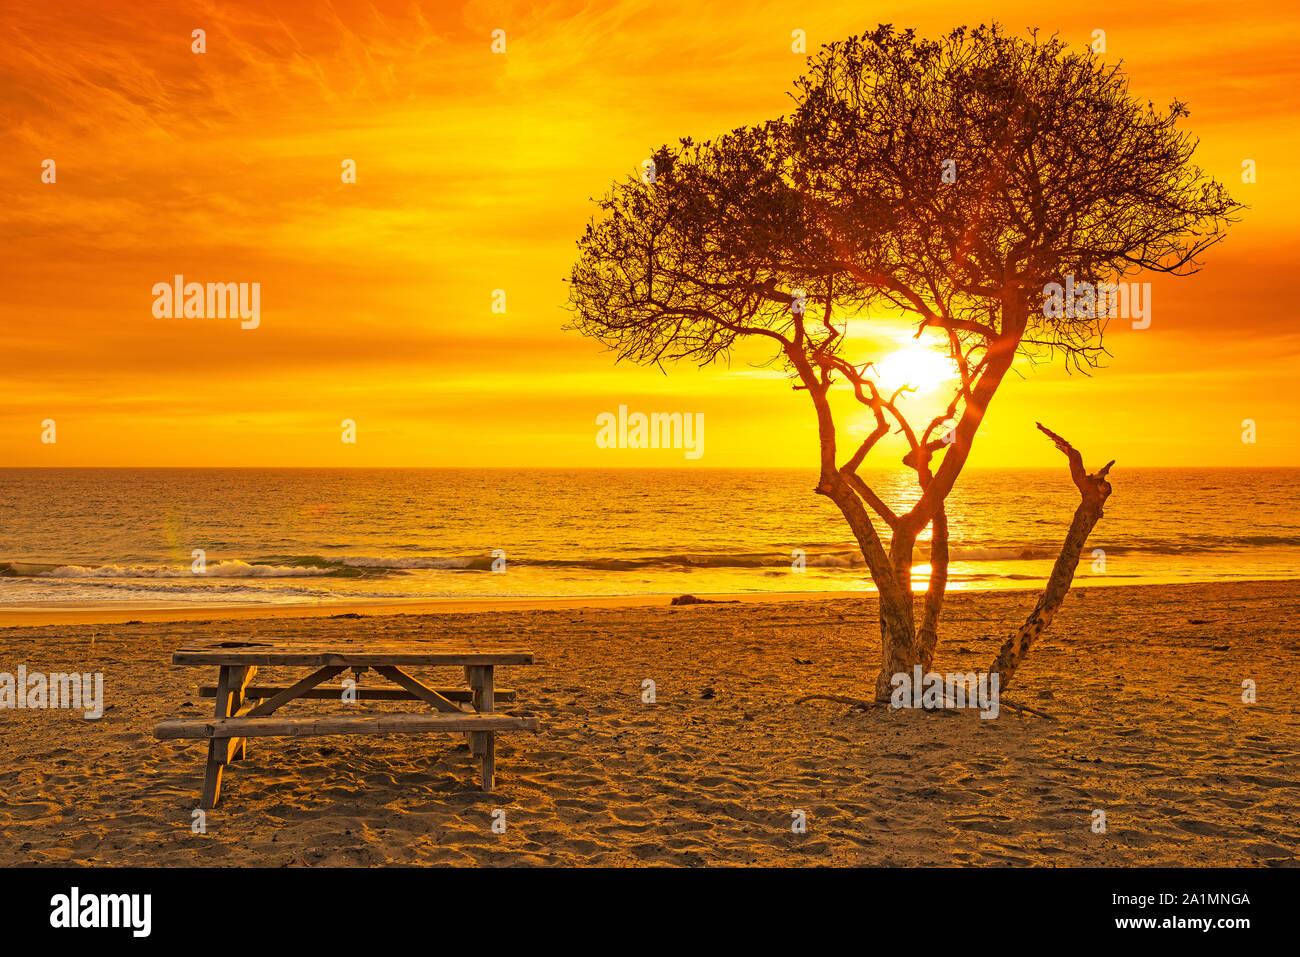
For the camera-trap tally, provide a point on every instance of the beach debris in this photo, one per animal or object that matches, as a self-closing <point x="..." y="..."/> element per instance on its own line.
<point x="692" y="600"/>
<point x="708" y="693"/>
<point x="856" y="703"/>
<point x="1020" y="707"/>
<point x="803" y="661"/>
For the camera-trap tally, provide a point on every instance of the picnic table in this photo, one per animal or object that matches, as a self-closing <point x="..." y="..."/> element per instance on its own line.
<point x="245" y="709"/>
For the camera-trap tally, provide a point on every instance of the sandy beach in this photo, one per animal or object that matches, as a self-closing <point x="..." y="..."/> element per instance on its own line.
<point x="1146" y="684"/>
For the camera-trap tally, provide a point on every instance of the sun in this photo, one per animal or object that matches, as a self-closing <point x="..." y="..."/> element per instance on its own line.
<point x="921" y="368"/>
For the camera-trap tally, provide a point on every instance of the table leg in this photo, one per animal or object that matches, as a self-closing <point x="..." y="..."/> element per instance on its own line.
<point x="218" y="747"/>
<point x="244" y="676"/>
<point x="483" y="683"/>
<point x="474" y="674"/>
<point x="221" y="751"/>
<point x="469" y="680"/>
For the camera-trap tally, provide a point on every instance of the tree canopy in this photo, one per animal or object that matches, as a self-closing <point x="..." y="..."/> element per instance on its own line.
<point x="950" y="181"/>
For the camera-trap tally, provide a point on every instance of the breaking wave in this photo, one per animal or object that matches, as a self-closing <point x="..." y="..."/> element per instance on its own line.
<point x="779" y="557"/>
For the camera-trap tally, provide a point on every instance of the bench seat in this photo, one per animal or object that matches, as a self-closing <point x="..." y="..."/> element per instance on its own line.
<point x="307" y="725"/>
<point x="335" y="693"/>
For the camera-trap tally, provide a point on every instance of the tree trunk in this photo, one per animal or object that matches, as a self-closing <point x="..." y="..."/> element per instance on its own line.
<point x="898" y="652"/>
<point x="898" y="648"/>
<point x="897" y="637"/>
<point x="928" y="632"/>
<point x="1093" y="491"/>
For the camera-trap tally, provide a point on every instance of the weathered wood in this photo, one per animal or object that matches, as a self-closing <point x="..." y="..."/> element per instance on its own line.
<point x="371" y="693"/>
<point x="421" y="691"/>
<point x="485" y="740"/>
<point x="239" y="704"/>
<point x="225" y="678"/>
<point x="307" y="725"/>
<point x="489" y="761"/>
<point x="273" y="703"/>
<point x="212" y="774"/>
<point x="1093" y="492"/>
<point x="475" y="675"/>
<point x="226" y="750"/>
<point x="209" y="651"/>
<point x="236" y="749"/>
<point x="243" y="709"/>
<point x="219" y="750"/>
<point x="469" y="680"/>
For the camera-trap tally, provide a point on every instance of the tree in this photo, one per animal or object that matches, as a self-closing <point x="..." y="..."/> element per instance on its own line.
<point x="950" y="181"/>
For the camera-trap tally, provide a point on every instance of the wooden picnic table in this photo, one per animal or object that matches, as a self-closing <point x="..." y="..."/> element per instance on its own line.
<point x="247" y="710"/>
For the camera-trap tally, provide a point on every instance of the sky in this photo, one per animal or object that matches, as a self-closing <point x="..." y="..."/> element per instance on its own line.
<point x="475" y="172"/>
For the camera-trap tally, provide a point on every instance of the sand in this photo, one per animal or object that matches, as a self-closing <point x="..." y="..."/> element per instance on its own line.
<point x="1146" y="683"/>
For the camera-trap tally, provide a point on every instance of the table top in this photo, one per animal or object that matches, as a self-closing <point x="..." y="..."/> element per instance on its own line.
<point x="345" y="651"/>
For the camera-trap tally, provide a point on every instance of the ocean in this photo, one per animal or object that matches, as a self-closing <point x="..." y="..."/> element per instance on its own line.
<point x="133" y="536"/>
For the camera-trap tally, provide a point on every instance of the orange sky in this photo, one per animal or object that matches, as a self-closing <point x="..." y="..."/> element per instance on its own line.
<point x="474" y="173"/>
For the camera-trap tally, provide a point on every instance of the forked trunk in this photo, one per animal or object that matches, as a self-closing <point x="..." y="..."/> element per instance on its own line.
<point x="904" y="644"/>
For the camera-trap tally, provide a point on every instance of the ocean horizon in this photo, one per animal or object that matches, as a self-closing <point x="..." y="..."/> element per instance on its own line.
<point x="210" y="536"/>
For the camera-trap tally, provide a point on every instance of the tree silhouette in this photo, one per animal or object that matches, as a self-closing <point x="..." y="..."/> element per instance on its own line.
<point x="950" y="181"/>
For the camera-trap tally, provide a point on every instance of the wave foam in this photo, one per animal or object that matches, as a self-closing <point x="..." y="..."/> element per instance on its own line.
<point x="230" y="569"/>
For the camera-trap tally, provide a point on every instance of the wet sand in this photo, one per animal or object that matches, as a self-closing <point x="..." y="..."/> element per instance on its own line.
<point x="1146" y="683"/>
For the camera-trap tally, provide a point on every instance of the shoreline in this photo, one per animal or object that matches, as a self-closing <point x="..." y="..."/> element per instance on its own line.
<point x="89" y="613"/>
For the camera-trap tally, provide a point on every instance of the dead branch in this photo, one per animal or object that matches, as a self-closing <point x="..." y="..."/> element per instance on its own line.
<point x="841" y="699"/>
<point x="1003" y="703"/>
<point x="1093" y="492"/>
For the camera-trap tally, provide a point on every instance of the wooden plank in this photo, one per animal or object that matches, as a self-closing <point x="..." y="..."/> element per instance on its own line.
<point x="476" y="687"/>
<point x="271" y="704"/>
<point x="236" y="748"/>
<point x="238" y="705"/>
<point x="489" y="761"/>
<point x="208" y="651"/>
<point x="218" y="643"/>
<point x="245" y="680"/>
<point x="335" y="693"/>
<point x="225" y="675"/>
<point x="218" y="750"/>
<point x="225" y="749"/>
<point x="485" y="741"/>
<point x="306" y="725"/>
<point x="212" y="774"/>
<point x="426" y="694"/>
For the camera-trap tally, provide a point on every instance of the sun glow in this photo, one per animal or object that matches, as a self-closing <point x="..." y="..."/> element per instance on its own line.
<point x="921" y="368"/>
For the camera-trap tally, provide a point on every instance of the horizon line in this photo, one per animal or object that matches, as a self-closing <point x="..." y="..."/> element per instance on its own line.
<point x="591" y="468"/>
